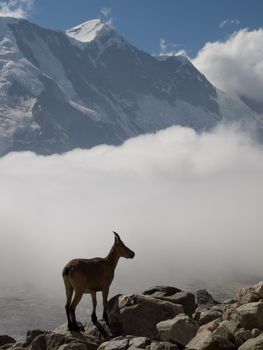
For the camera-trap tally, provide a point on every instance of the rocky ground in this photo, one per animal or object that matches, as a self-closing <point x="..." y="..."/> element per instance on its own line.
<point x="162" y="318"/>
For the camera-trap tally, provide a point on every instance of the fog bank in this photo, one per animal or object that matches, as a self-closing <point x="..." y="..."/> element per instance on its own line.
<point x="189" y="205"/>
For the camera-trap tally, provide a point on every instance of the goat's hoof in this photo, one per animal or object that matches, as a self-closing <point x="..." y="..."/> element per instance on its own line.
<point x="73" y="327"/>
<point x="80" y="327"/>
<point x="94" y="318"/>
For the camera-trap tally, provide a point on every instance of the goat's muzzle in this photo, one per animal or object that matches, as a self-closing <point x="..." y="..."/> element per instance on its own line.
<point x="132" y="255"/>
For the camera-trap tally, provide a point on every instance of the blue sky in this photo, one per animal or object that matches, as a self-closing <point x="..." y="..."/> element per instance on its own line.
<point x="232" y="60"/>
<point x="183" y="24"/>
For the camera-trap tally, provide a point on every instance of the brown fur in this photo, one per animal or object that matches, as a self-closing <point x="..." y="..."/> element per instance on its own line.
<point x="83" y="276"/>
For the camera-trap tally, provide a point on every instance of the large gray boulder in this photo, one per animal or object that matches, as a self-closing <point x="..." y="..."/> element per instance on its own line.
<point x="229" y="310"/>
<point x="259" y="289"/>
<point x="138" y="314"/>
<point x="253" y="344"/>
<point x="53" y="341"/>
<point x="250" y="294"/>
<point x="72" y="346"/>
<point x="246" y="295"/>
<point x="115" y="344"/>
<point x="163" y="345"/>
<point x="242" y="335"/>
<point x="224" y="332"/>
<point x="208" y="341"/>
<point x="32" y="334"/>
<point x="250" y="315"/>
<point x="204" y="298"/>
<point x="174" y="295"/>
<point x="91" y="332"/>
<point x="231" y="325"/>
<point x="5" y="339"/>
<point x="211" y="326"/>
<point x="179" y="330"/>
<point x="207" y="316"/>
<point x="139" y="342"/>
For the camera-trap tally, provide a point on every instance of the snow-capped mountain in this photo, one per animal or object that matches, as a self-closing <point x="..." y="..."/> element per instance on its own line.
<point x="90" y="86"/>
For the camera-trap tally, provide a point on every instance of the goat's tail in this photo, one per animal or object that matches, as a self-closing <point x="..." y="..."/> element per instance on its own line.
<point x="66" y="271"/>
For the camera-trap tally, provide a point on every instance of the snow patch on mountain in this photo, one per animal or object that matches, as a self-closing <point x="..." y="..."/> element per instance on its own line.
<point x="51" y="66"/>
<point x="86" y="31"/>
<point x="95" y="32"/>
<point x="89" y="112"/>
<point x="15" y="71"/>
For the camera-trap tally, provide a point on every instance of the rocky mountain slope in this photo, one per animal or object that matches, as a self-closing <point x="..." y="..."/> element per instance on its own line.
<point x="90" y="86"/>
<point x="162" y="318"/>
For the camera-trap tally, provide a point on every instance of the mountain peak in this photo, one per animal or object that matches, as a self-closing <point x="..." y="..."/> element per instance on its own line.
<point x="88" y="31"/>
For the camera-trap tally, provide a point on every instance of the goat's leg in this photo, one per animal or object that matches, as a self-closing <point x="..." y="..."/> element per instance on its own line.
<point x="69" y="293"/>
<point x="94" y="304"/>
<point x="76" y="300"/>
<point x="105" y="293"/>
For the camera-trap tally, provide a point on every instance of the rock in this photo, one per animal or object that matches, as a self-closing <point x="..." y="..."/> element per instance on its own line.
<point x="211" y="326"/>
<point x="208" y="316"/>
<point x="205" y="298"/>
<point x="18" y="346"/>
<point x="6" y="347"/>
<point x="231" y="325"/>
<point x="247" y="295"/>
<point x="223" y="332"/>
<point x="73" y="346"/>
<point x="138" y="315"/>
<point x="91" y="332"/>
<point x="115" y="344"/>
<point x="197" y="313"/>
<point x="218" y="307"/>
<point x="259" y="289"/>
<point x="218" y="328"/>
<point x="139" y="342"/>
<point x="32" y="334"/>
<point x="114" y="315"/>
<point x="174" y="295"/>
<point x="179" y="330"/>
<point x="5" y="339"/>
<point x="101" y="330"/>
<point x="162" y="291"/>
<point x="208" y="341"/>
<point x="229" y="310"/>
<point x="163" y="345"/>
<point x="253" y="344"/>
<point x="229" y="301"/>
<point x="241" y="336"/>
<point x="250" y="294"/>
<point x="255" y="332"/>
<point x="52" y="341"/>
<point x="250" y="315"/>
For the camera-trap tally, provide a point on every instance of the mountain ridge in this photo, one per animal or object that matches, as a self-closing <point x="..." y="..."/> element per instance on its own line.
<point x="59" y="93"/>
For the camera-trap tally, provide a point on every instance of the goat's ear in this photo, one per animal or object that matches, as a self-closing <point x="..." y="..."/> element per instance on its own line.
<point x="117" y="237"/>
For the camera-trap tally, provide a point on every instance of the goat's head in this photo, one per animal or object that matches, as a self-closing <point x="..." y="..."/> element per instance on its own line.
<point x="121" y="248"/>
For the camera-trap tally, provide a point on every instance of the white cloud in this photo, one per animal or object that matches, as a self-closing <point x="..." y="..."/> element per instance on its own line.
<point x="105" y="15"/>
<point x="189" y="205"/>
<point x="16" y="8"/>
<point x="105" y="11"/>
<point x="235" y="65"/>
<point x="170" y="49"/>
<point x="229" y="22"/>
